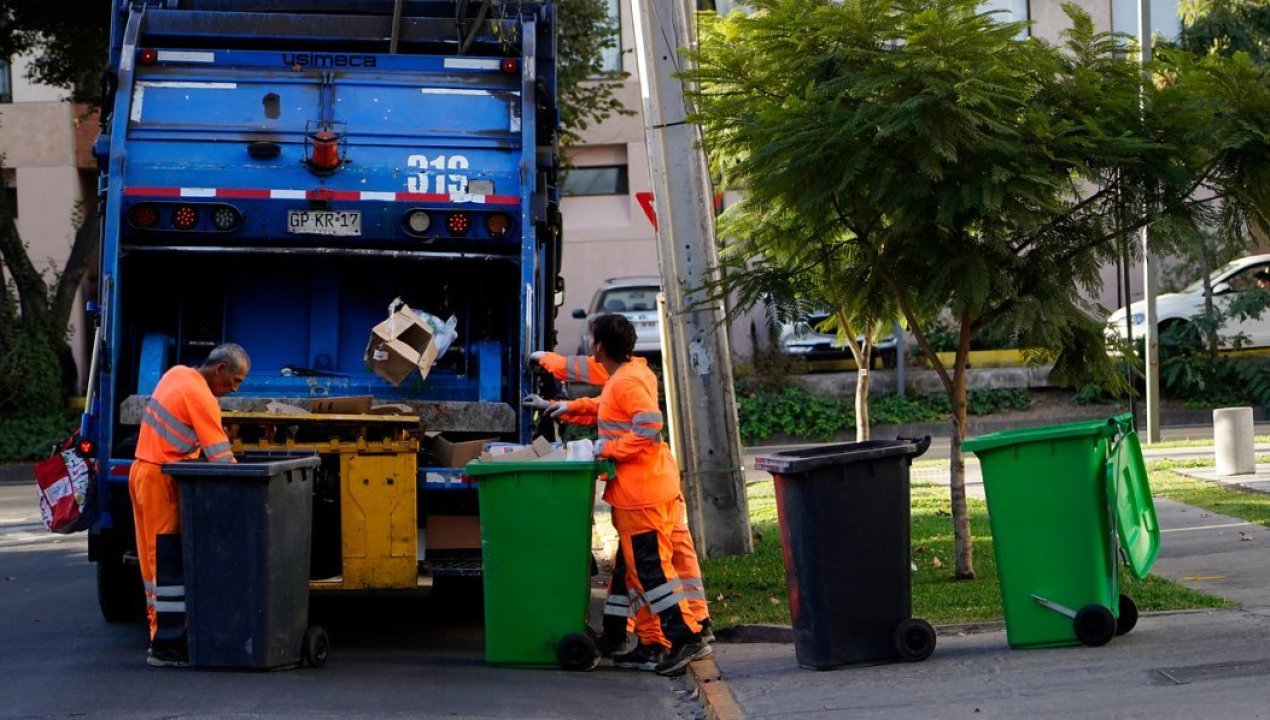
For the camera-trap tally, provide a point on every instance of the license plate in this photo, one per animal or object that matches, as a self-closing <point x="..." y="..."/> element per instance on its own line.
<point x="324" y="222"/>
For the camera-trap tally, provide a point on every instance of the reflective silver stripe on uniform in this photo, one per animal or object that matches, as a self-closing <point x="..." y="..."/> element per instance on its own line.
<point x="227" y="458"/>
<point x="648" y="425"/>
<point x="648" y="418"/>
<point x="613" y="426"/>
<point x="168" y="591"/>
<point x="667" y="602"/>
<point x="617" y="605"/>
<point x="169" y="606"/>
<point x="178" y="443"/>
<point x="578" y="369"/>
<point x="662" y="590"/>
<point x="636" y="601"/>
<point x="219" y="448"/>
<point x="694" y="589"/>
<point x="648" y="434"/>
<point x="167" y="417"/>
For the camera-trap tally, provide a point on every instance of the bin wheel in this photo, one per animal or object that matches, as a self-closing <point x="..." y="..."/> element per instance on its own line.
<point x="913" y="640"/>
<point x="316" y="646"/>
<point x="576" y="651"/>
<point x="1128" y="615"/>
<point x="1095" y="625"/>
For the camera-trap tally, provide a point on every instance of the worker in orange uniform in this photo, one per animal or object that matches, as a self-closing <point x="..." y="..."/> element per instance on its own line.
<point x="181" y="420"/>
<point x="645" y="497"/>
<point x="586" y="369"/>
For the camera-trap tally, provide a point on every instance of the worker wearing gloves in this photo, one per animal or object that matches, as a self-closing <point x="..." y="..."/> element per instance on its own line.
<point x="586" y="369"/>
<point x="181" y="419"/>
<point x="644" y="495"/>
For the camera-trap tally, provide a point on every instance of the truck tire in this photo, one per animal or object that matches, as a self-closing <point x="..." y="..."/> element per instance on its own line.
<point x="119" y="591"/>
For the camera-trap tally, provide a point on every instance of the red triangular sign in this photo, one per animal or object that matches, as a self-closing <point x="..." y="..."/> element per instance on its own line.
<point x="645" y="200"/>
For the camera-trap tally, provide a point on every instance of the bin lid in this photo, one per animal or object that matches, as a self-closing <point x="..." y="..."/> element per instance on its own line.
<point x="503" y="467"/>
<point x="249" y="465"/>
<point x="1091" y="428"/>
<point x="803" y="460"/>
<point x="1136" y="523"/>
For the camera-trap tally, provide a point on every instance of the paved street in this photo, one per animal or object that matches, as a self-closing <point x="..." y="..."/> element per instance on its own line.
<point x="406" y="657"/>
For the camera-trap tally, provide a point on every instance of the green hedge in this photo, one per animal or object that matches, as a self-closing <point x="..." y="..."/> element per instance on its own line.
<point x="31" y="437"/>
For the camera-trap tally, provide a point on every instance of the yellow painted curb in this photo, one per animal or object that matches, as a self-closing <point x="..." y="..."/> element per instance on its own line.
<point x="716" y="696"/>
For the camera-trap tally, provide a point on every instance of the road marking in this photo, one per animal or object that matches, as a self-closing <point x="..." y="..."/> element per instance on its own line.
<point x="1201" y="578"/>
<point x="1207" y="527"/>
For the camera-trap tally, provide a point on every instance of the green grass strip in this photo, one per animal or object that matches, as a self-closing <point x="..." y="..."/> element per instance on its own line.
<point x="750" y="589"/>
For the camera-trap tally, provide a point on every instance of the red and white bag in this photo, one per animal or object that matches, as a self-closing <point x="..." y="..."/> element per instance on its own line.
<point x="65" y="484"/>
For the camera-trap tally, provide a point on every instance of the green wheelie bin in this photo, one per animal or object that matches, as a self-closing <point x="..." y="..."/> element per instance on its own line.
<point x="536" y="553"/>
<point x="1059" y="499"/>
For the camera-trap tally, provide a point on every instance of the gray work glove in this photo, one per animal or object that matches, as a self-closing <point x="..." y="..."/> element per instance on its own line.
<point x="599" y="447"/>
<point x="557" y="409"/>
<point x="536" y="355"/>
<point x="535" y="402"/>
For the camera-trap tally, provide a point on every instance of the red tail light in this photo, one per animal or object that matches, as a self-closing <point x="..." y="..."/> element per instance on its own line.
<point x="510" y="66"/>
<point x="326" y="150"/>
<point x="185" y="217"/>
<point x="458" y="223"/>
<point x="144" y="216"/>
<point x="147" y="56"/>
<point x="85" y="448"/>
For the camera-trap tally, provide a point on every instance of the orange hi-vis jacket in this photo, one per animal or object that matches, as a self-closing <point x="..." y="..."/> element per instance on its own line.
<point x="182" y="417"/>
<point x="574" y="368"/>
<point x="630" y="423"/>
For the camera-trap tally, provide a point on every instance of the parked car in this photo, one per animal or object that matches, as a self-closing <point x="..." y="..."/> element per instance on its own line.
<point x="634" y="297"/>
<point x="801" y="339"/>
<point x="1234" y="278"/>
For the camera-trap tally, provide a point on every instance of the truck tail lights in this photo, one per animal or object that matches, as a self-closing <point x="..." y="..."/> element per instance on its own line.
<point x="147" y="56"/>
<point x="418" y="221"/>
<point x="497" y="225"/>
<point x="458" y="223"/>
<point x="185" y="217"/>
<point x="226" y="218"/>
<point x="509" y="66"/>
<point x="325" y="150"/>
<point x="144" y="216"/>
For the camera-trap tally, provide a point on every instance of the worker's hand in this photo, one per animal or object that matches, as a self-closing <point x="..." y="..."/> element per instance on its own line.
<point x="535" y="402"/>
<point x="536" y="355"/>
<point x="599" y="447"/>
<point x="557" y="409"/>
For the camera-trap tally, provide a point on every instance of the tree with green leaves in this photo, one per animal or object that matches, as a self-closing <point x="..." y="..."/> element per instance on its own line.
<point x="1226" y="27"/>
<point x="970" y="171"/>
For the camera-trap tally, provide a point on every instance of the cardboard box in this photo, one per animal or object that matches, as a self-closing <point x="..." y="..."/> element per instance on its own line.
<point x="453" y="532"/>
<point x="355" y="405"/>
<point x="454" y="453"/>
<point x="401" y="345"/>
<point x="539" y="449"/>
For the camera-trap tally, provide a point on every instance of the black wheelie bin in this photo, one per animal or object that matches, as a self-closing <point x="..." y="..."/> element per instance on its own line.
<point x="844" y="521"/>
<point x="245" y="530"/>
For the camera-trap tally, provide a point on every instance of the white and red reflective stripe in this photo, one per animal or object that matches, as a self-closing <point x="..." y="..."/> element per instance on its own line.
<point x="320" y="194"/>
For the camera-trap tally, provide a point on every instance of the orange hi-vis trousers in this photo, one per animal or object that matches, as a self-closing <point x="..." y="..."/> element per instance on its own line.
<point x="657" y="596"/>
<point x="156" y="514"/>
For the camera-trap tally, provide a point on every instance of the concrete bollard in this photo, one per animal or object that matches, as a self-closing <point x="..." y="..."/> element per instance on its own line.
<point x="1233" y="441"/>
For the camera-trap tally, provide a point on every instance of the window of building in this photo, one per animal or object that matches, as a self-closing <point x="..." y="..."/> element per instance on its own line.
<point x="1008" y="11"/>
<point x="6" y="82"/>
<point x="595" y="180"/>
<point x="611" y="57"/>
<point x="1164" y="18"/>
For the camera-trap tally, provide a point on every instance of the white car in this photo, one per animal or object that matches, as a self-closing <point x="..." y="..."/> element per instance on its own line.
<point x="634" y="297"/>
<point x="801" y="339"/>
<point x="1179" y="307"/>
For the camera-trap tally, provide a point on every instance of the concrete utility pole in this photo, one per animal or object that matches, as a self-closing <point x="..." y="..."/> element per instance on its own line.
<point x="709" y="446"/>
<point x="1150" y="269"/>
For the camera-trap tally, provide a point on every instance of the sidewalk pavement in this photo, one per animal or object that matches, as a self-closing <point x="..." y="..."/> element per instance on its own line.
<point x="1173" y="665"/>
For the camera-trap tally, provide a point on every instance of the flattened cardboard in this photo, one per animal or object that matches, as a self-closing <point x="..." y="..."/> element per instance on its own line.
<point x="539" y="449"/>
<point x="453" y="532"/>
<point x="455" y="453"/>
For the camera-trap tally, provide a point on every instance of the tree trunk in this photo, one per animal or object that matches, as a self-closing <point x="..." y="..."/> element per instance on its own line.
<point x="965" y="566"/>
<point x="862" y="393"/>
<point x="32" y="292"/>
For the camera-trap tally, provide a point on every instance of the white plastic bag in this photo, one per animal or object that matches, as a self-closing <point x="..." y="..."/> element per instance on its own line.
<point x="443" y="332"/>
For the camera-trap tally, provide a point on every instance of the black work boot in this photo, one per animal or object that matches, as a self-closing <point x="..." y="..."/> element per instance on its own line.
<point x="682" y="653"/>
<point x="643" y="657"/>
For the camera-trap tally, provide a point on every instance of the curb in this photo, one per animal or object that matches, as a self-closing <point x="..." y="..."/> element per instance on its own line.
<point x="716" y="696"/>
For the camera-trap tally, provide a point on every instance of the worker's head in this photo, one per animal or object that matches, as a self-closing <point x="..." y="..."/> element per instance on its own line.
<point x="613" y="335"/>
<point x="225" y="369"/>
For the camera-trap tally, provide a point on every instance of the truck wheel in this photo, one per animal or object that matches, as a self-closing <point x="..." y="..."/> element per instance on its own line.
<point x="1128" y="615"/>
<point x="1094" y="625"/>
<point x="119" y="591"/>
<point x="576" y="651"/>
<point x="316" y="646"/>
<point x="913" y="640"/>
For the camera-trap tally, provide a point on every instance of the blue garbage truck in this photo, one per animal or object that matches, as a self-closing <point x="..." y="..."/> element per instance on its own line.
<point x="289" y="175"/>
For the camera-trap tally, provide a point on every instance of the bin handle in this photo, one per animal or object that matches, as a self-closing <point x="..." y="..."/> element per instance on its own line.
<point x="922" y="443"/>
<point x="1123" y="422"/>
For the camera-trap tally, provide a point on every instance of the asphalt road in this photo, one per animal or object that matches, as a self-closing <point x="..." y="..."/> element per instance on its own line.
<point x="403" y="657"/>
